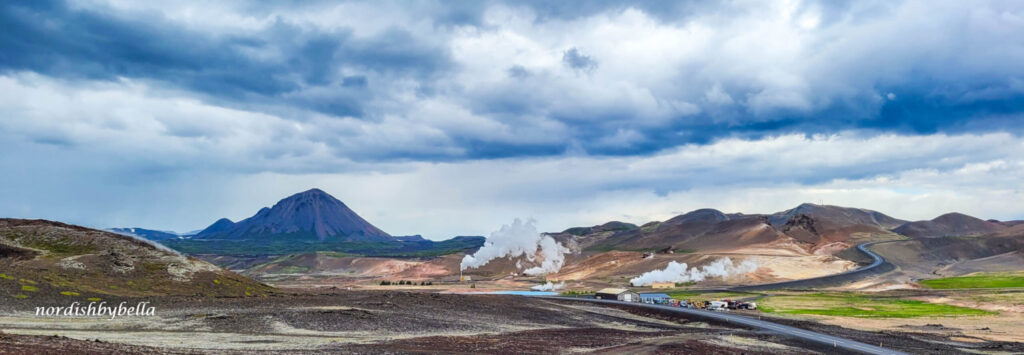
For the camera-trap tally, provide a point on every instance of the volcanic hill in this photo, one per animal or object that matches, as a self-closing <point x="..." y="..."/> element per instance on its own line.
<point x="40" y="258"/>
<point x="310" y="215"/>
<point x="308" y="222"/>
<point x="949" y="225"/>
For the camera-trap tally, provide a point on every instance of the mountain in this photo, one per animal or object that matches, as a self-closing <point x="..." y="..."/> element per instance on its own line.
<point x="46" y="259"/>
<point x="948" y="225"/>
<point x="612" y="226"/>
<point x="149" y="234"/>
<point x="309" y="215"/>
<point x="703" y="229"/>
<point x="807" y="228"/>
<point x="221" y="225"/>
<point x="837" y="216"/>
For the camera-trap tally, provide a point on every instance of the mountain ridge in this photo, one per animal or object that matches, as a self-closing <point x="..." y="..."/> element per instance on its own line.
<point x="948" y="225"/>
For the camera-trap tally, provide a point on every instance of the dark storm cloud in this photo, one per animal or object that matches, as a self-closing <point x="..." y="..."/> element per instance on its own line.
<point x="51" y="38"/>
<point x="858" y="66"/>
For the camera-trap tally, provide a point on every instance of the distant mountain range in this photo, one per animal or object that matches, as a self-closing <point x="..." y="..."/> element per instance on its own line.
<point x="314" y="220"/>
<point x="807" y="228"/>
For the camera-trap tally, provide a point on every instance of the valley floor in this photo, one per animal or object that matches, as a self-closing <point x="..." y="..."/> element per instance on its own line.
<point x="414" y="322"/>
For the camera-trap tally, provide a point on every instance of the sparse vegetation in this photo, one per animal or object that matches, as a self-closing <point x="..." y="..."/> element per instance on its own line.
<point x="336" y="254"/>
<point x="29" y="288"/>
<point x="63" y="246"/>
<point x="977" y="281"/>
<point x="575" y="293"/>
<point x="861" y="306"/>
<point x="20" y="296"/>
<point x="154" y="267"/>
<point x="69" y="293"/>
<point x="294" y="269"/>
<point x="5" y="277"/>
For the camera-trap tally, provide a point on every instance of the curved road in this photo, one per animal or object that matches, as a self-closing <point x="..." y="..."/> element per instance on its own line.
<point x="820" y="338"/>
<point x="807" y="335"/>
<point x="877" y="265"/>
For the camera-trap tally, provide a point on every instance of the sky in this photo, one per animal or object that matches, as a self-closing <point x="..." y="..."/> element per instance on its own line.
<point x="453" y="118"/>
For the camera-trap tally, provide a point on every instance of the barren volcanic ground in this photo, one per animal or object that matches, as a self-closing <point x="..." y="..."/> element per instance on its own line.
<point x="407" y="322"/>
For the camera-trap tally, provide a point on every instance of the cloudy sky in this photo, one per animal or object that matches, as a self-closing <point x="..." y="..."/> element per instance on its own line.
<point x="441" y="118"/>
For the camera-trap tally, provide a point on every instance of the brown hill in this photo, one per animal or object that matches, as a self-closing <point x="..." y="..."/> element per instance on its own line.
<point x="832" y="227"/>
<point x="838" y="216"/>
<point x="954" y="256"/>
<point x="41" y="258"/>
<point x="703" y="230"/>
<point x="948" y="225"/>
<point x="808" y="228"/>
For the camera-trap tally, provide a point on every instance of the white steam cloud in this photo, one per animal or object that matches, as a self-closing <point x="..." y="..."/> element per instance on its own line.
<point x="549" y="286"/>
<point x="519" y="239"/>
<point x="679" y="272"/>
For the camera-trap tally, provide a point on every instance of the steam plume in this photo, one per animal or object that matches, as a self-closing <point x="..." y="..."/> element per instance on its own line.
<point x="519" y="239"/>
<point x="549" y="286"/>
<point x="679" y="272"/>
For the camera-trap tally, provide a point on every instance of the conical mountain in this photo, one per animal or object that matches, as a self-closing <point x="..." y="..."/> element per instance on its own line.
<point x="309" y="215"/>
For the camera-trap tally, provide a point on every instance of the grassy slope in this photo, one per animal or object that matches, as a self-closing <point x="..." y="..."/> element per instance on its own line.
<point x="977" y="281"/>
<point x="861" y="306"/>
<point x="41" y="274"/>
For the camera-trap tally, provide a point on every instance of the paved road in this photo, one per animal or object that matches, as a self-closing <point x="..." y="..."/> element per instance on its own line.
<point x="878" y="265"/>
<point x="807" y="335"/>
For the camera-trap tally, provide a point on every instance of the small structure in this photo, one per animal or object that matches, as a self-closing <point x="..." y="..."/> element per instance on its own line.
<point x="717" y="305"/>
<point x="658" y="298"/>
<point x="619" y="294"/>
<point x="663" y="285"/>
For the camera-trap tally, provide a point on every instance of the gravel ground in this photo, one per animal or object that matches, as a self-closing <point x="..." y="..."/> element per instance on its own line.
<point x="406" y="322"/>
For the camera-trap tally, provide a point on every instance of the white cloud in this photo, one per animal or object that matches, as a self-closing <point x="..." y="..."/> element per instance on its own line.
<point x="142" y="152"/>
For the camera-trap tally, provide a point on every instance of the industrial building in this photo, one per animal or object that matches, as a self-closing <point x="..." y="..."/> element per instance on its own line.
<point x="654" y="298"/>
<point x="619" y="294"/>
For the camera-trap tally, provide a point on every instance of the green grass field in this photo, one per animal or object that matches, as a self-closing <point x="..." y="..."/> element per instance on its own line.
<point x="977" y="281"/>
<point x="859" y="306"/>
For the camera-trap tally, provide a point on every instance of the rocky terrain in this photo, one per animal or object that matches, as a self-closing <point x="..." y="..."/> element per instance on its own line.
<point x="44" y="259"/>
<point x="411" y="322"/>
